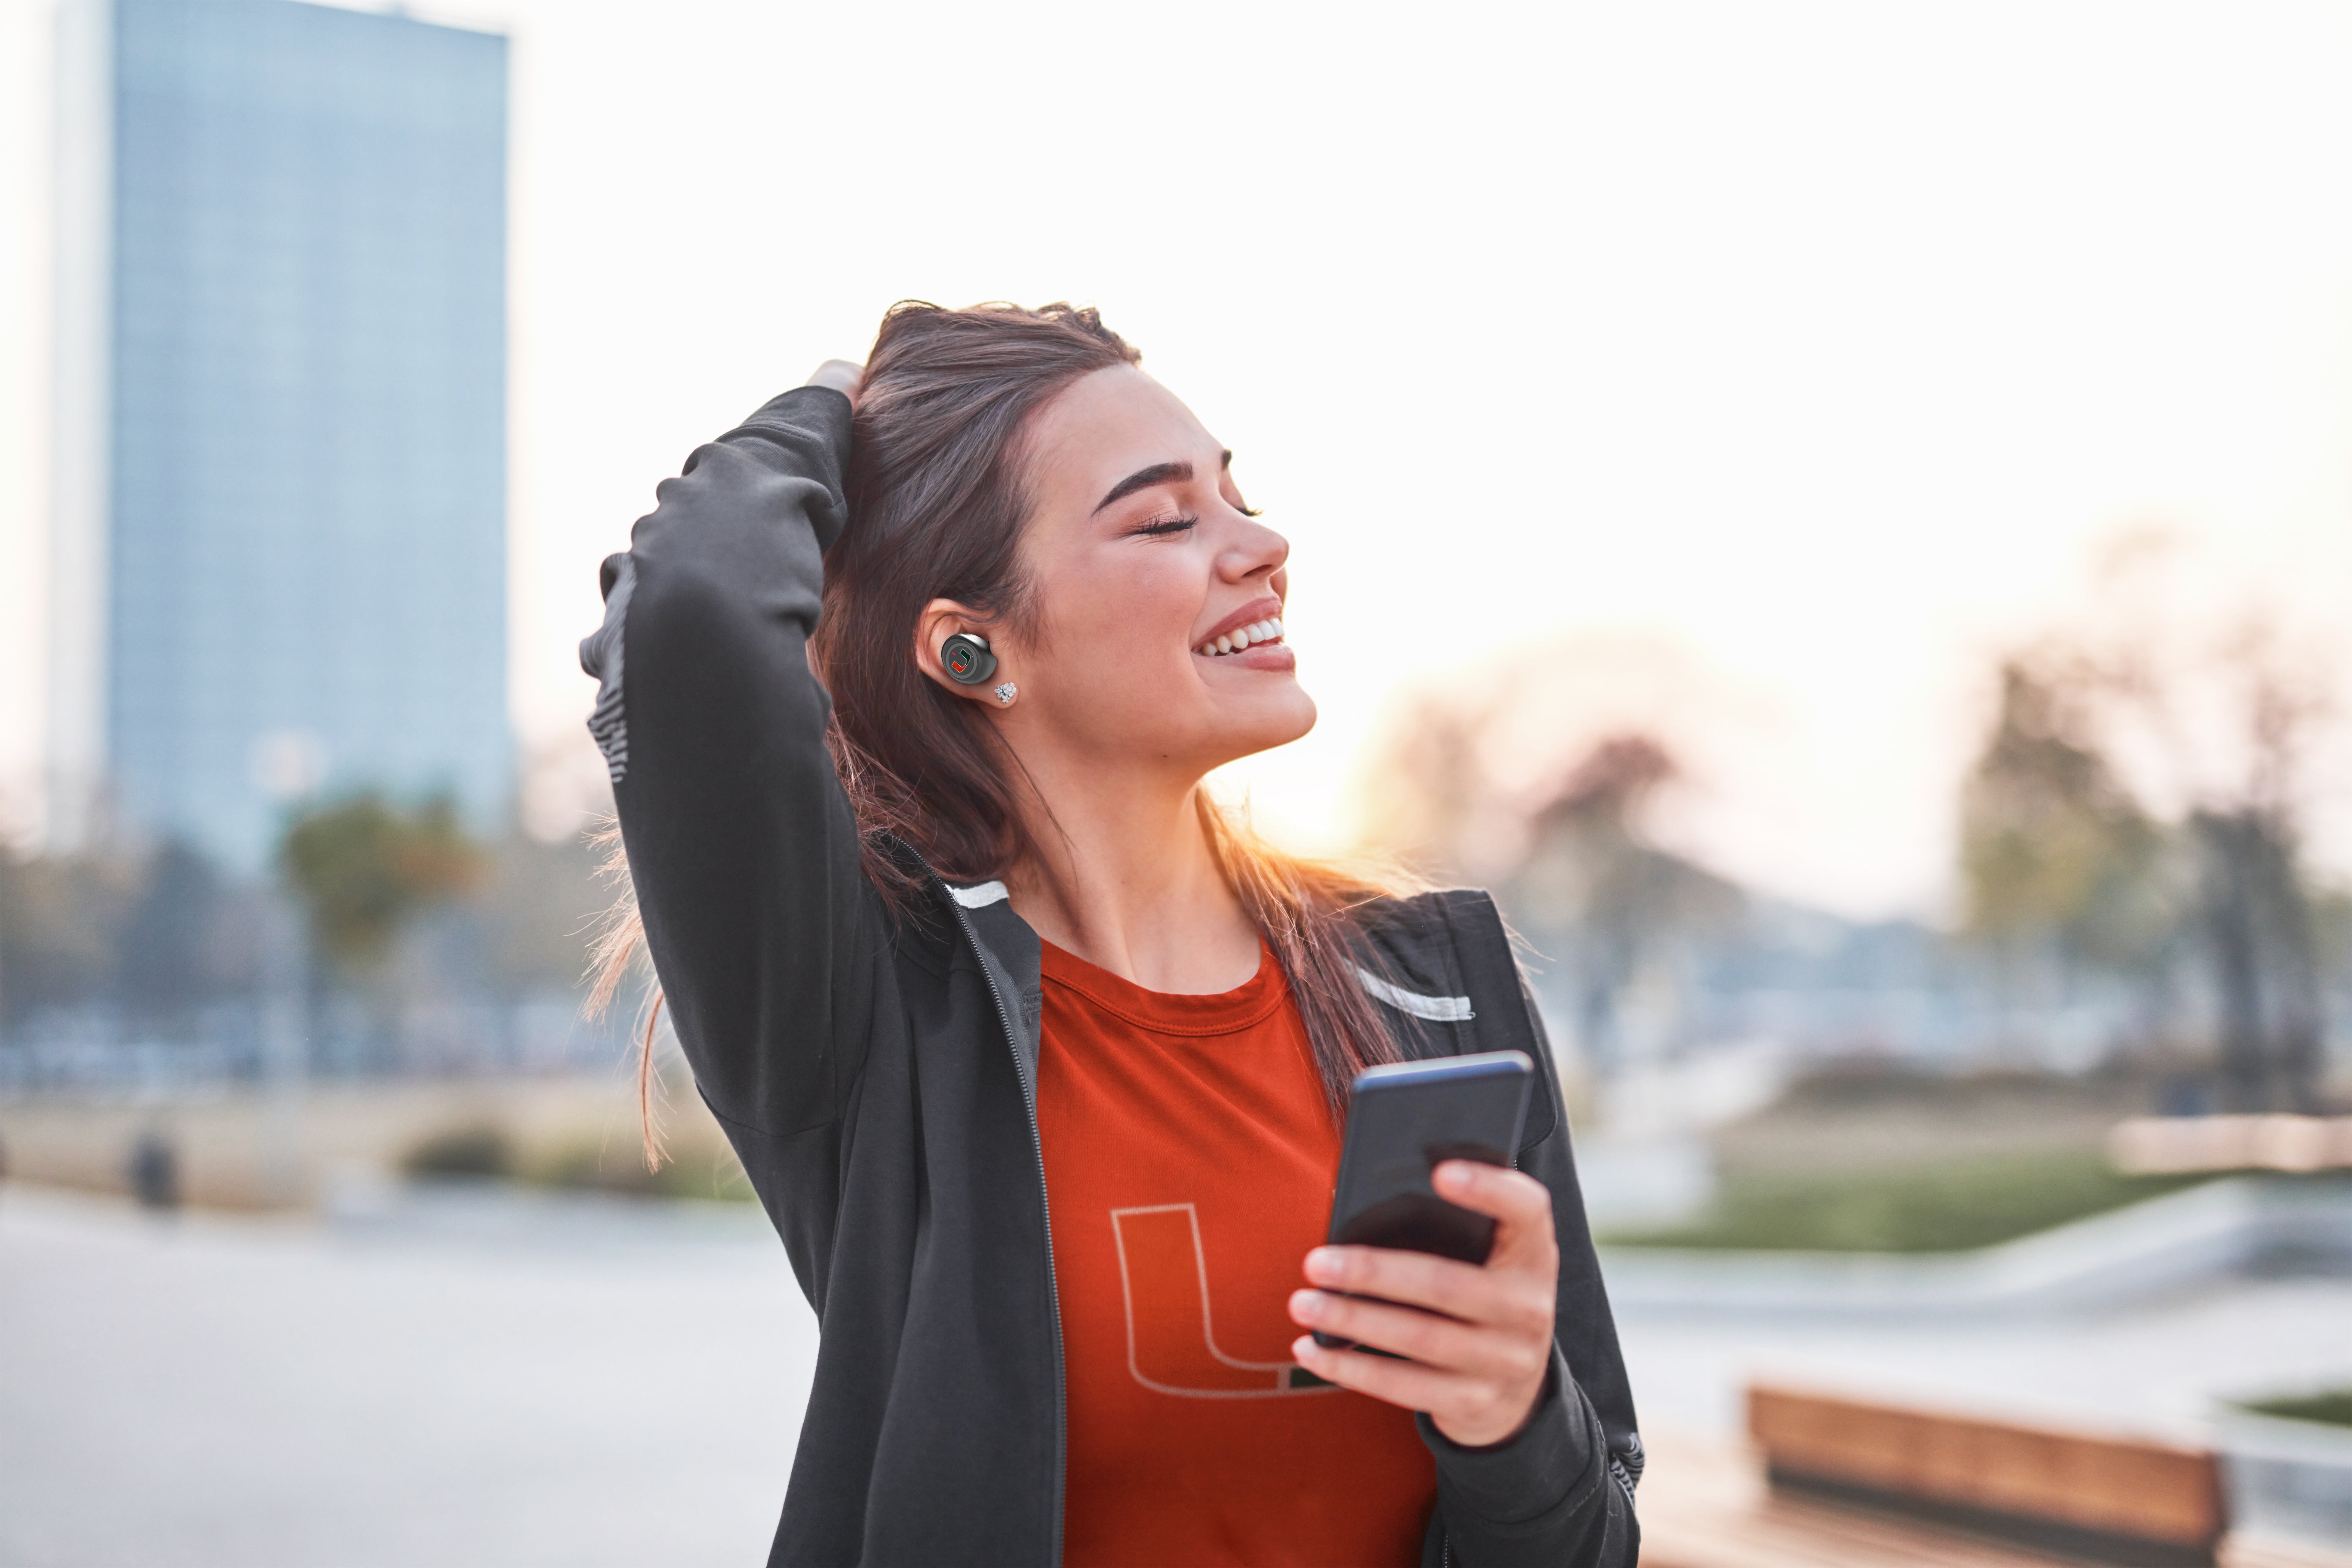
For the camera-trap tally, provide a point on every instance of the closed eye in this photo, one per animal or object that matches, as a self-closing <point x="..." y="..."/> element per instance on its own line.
<point x="1162" y="527"/>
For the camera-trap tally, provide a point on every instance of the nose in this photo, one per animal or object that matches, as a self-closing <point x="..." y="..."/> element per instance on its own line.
<point x="1256" y="551"/>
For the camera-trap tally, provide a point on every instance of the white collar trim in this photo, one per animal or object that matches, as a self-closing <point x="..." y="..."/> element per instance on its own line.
<point x="980" y="897"/>
<point x="1439" y="1009"/>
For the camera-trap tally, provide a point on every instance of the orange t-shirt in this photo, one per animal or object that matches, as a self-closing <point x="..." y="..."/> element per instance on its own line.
<point x="1189" y="1165"/>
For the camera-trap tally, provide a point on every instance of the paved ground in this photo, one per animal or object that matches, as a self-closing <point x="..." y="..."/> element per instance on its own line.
<point x="493" y="1380"/>
<point x="451" y="1390"/>
<point x="2157" y="1370"/>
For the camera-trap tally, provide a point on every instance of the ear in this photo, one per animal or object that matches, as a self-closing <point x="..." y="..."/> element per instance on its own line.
<point x="943" y="618"/>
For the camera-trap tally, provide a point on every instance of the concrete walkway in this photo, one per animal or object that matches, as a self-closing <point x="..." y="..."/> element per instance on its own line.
<point x="2157" y="1369"/>
<point x="490" y="1379"/>
<point x="413" y="1391"/>
<point x="2162" y="1247"/>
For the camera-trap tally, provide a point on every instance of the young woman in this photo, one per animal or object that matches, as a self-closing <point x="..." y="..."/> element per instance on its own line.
<point x="1038" y="1062"/>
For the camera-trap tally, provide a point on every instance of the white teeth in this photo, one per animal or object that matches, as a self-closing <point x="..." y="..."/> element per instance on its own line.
<point x="1267" y="630"/>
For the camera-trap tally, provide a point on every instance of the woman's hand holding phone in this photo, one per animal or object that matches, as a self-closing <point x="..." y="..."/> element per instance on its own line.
<point x="1477" y="1339"/>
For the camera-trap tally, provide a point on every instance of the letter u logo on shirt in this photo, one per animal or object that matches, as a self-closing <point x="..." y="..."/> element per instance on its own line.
<point x="1172" y="1347"/>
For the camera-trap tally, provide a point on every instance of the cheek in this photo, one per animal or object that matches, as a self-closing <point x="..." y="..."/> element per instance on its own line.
<point x="1109" y="627"/>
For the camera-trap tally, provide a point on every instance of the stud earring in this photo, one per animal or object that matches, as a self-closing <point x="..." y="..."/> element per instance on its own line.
<point x="1006" y="693"/>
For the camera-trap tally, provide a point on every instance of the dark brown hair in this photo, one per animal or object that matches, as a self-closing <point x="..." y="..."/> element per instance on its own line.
<point x="938" y="497"/>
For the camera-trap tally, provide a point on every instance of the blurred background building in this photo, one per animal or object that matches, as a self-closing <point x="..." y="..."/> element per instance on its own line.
<point x="281" y="548"/>
<point x="281" y="778"/>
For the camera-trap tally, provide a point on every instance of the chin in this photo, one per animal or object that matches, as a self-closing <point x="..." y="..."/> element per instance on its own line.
<point x="1275" y="719"/>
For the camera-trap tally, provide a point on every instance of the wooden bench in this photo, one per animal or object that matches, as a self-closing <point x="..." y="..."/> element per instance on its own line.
<point x="1705" y="1504"/>
<point x="2090" y="1497"/>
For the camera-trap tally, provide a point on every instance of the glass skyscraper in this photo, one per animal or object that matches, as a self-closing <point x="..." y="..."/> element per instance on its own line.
<point x="281" y="533"/>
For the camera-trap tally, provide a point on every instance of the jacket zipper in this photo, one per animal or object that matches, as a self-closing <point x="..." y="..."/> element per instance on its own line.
<point x="1044" y="1209"/>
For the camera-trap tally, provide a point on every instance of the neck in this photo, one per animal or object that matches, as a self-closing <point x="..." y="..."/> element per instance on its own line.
<point x="1123" y="877"/>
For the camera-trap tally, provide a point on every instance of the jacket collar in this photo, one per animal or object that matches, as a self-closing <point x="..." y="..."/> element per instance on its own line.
<point x="1440" y="962"/>
<point x="1012" y="955"/>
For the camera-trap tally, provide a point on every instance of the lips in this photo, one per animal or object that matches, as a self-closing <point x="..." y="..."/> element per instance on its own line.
<point x="1257" y="624"/>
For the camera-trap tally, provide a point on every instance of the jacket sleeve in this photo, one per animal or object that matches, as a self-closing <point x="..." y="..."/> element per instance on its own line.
<point x="741" y="844"/>
<point x="1559" y="1493"/>
<point x="1550" y="1495"/>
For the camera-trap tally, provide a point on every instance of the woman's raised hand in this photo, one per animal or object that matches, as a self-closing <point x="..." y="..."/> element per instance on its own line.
<point x="845" y="376"/>
<point x="1478" y="1339"/>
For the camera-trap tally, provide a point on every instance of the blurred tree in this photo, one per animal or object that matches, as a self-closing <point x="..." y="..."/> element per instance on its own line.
<point x="59" y="918"/>
<point x="540" y="904"/>
<point x="2256" y="920"/>
<point x="2058" y="848"/>
<point x="190" y="938"/>
<point x="2054" y="847"/>
<point x="419" y="921"/>
<point x="1428" y="785"/>
<point x="1615" y="903"/>
<point x="2257" y="906"/>
<point x="365" y="868"/>
<point x="1571" y="859"/>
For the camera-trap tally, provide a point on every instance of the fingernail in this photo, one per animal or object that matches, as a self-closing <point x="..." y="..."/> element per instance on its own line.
<point x="1456" y="1174"/>
<point x="1303" y="1348"/>
<point x="1307" y="1305"/>
<point x="1323" y="1266"/>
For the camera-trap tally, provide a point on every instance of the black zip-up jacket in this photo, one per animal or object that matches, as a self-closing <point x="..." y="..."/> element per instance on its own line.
<point x="877" y="1074"/>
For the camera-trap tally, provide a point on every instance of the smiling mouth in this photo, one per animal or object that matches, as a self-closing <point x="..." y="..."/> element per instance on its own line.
<point x="1257" y="632"/>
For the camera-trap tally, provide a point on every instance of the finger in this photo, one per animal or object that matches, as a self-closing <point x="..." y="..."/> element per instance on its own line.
<point x="1517" y="1295"/>
<point x="1404" y="1382"/>
<point x="1513" y="1198"/>
<point x="1416" y="1279"/>
<point x="1520" y="1204"/>
<point x="1468" y="1349"/>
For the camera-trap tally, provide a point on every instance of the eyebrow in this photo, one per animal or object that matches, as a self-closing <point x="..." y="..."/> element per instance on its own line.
<point x="1157" y="474"/>
<point x="1144" y="479"/>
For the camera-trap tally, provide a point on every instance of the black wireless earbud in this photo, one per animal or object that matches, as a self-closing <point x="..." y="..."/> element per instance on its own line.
<point x="967" y="660"/>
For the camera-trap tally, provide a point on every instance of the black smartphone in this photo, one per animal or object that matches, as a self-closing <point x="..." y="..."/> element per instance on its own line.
<point x="1402" y="1120"/>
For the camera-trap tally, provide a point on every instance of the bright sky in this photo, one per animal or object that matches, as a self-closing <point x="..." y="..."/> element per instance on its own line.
<point x="1819" y="344"/>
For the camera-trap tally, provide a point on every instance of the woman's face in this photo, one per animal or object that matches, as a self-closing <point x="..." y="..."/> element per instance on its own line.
<point x="1142" y="556"/>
